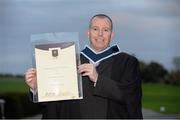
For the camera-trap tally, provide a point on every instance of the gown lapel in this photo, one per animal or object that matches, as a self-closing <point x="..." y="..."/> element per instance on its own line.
<point x="104" y="65"/>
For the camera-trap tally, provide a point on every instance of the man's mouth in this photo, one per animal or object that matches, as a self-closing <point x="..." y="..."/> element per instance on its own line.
<point x="99" y="39"/>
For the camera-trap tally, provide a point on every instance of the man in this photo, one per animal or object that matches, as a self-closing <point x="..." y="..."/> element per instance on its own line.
<point x="111" y="79"/>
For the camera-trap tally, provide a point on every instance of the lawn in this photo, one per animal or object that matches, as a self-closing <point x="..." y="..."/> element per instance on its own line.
<point x="155" y="96"/>
<point x="160" y="96"/>
<point x="13" y="84"/>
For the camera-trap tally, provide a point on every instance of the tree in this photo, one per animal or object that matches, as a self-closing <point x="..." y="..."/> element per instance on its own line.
<point x="176" y="62"/>
<point x="174" y="77"/>
<point x="153" y="72"/>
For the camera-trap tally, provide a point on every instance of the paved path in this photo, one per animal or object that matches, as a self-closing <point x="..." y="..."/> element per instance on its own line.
<point x="147" y="114"/>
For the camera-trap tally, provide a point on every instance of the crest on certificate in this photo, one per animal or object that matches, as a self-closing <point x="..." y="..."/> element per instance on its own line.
<point x="55" y="52"/>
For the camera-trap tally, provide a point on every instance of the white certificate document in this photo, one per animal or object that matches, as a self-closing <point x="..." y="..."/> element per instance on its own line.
<point x="56" y="73"/>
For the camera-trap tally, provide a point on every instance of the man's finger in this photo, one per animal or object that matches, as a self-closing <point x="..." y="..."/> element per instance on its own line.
<point x="85" y="74"/>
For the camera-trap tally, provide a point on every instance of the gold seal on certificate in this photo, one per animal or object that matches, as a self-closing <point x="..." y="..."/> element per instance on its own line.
<point x="57" y="77"/>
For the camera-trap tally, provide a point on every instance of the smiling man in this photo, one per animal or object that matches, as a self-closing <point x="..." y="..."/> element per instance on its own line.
<point x="110" y="78"/>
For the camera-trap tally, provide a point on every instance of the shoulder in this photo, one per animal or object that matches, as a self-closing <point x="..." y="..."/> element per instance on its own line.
<point x="125" y="57"/>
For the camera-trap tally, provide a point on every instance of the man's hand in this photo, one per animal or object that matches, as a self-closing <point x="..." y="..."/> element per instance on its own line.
<point x="88" y="70"/>
<point x="30" y="78"/>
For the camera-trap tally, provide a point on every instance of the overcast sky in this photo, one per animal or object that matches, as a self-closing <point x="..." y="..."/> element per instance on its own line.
<point x="149" y="29"/>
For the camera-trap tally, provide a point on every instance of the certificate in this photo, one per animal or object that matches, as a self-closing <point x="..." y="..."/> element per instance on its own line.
<point x="57" y="77"/>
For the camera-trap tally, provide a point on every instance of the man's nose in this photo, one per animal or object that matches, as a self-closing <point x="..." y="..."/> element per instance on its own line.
<point x="100" y="33"/>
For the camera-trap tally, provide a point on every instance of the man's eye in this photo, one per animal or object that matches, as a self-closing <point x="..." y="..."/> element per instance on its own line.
<point x="106" y="30"/>
<point x="95" y="29"/>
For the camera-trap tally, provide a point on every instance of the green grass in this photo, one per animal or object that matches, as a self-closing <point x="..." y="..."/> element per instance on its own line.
<point x="154" y="95"/>
<point x="158" y="95"/>
<point x="12" y="84"/>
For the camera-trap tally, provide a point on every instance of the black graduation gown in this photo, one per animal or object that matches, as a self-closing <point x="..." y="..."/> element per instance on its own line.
<point x="117" y="93"/>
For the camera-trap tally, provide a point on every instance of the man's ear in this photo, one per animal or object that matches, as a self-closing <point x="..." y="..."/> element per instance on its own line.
<point x="112" y="35"/>
<point x="87" y="33"/>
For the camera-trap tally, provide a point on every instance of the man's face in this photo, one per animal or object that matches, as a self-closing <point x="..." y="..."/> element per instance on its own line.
<point x="100" y="33"/>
